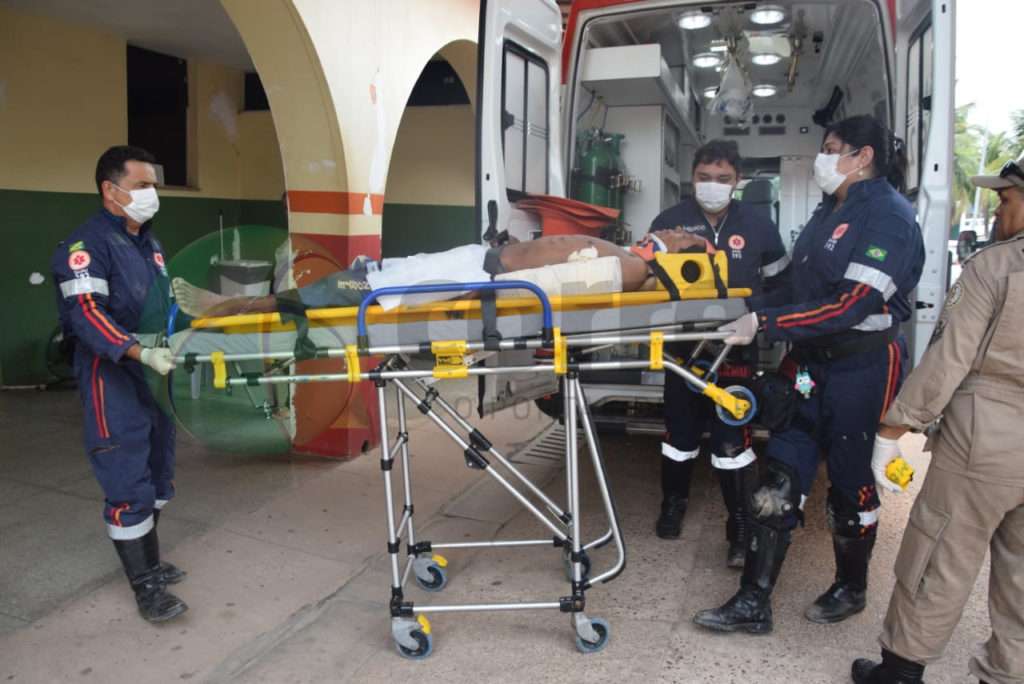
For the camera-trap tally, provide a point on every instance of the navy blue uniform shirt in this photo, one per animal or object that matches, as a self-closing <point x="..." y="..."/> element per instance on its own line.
<point x="104" y="276"/>
<point x="853" y="269"/>
<point x="752" y="241"/>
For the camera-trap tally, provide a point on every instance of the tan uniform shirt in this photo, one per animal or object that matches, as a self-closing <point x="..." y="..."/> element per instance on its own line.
<point x="973" y="371"/>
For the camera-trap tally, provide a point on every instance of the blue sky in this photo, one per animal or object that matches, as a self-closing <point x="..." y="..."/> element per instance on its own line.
<point x="989" y="60"/>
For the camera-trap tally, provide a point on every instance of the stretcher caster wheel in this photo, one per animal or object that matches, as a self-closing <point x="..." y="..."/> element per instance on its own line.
<point x="745" y="394"/>
<point x="413" y="639"/>
<point x="599" y="628"/>
<point x="430" y="573"/>
<point x="568" y="565"/>
<point x="704" y="366"/>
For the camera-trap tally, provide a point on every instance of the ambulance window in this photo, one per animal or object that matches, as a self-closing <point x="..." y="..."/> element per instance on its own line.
<point x="919" y="102"/>
<point x="524" y="120"/>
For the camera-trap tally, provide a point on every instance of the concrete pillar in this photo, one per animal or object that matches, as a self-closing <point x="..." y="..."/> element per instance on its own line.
<point x="337" y="76"/>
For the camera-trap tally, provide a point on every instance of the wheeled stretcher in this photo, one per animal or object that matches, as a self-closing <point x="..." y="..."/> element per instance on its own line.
<point x="452" y="333"/>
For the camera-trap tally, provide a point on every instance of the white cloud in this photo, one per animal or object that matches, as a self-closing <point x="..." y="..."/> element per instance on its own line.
<point x="987" y="42"/>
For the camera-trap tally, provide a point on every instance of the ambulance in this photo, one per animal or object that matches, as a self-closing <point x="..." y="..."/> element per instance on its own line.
<point x="612" y="107"/>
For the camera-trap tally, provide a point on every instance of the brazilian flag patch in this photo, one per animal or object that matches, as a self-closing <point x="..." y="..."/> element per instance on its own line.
<point x="76" y="246"/>
<point x="876" y="253"/>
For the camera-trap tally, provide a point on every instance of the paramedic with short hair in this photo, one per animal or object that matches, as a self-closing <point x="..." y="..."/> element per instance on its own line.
<point x="757" y="259"/>
<point x="109" y="273"/>
<point x="854" y="268"/>
<point x="972" y="500"/>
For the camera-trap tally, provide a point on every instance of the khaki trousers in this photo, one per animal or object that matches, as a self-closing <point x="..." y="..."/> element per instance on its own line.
<point x="954" y="521"/>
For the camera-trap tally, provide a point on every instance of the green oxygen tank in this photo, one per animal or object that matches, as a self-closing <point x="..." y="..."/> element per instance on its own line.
<point x="598" y="175"/>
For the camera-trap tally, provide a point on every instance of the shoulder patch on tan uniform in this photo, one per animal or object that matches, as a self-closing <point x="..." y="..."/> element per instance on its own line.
<point x="956" y="293"/>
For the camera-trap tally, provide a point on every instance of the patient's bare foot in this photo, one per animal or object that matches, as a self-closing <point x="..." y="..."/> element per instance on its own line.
<point x="195" y="301"/>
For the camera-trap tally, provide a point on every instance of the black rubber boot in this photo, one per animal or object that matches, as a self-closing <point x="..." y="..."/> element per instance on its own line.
<point x="892" y="670"/>
<point x="141" y="561"/>
<point x="675" y="489"/>
<point x="171" y="573"/>
<point x="750" y="609"/>
<point x="737" y="487"/>
<point x="847" y="595"/>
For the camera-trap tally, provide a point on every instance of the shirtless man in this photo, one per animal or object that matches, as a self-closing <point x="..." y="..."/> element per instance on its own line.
<point x="349" y="287"/>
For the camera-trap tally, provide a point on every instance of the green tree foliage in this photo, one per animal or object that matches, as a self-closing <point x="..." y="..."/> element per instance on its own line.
<point x="998" y="147"/>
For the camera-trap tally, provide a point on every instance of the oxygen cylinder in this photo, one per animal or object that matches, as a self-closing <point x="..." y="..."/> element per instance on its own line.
<point x="598" y="169"/>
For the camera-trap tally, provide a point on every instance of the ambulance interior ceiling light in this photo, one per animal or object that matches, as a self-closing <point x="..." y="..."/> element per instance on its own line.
<point x="707" y="60"/>
<point x="692" y="21"/>
<point x="766" y="59"/>
<point x="765" y="90"/>
<point x="719" y="46"/>
<point x="767" y="15"/>
<point x="711" y="92"/>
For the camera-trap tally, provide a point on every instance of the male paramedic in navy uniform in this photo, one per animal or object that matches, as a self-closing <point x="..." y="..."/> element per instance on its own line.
<point x="104" y="273"/>
<point x="756" y="256"/>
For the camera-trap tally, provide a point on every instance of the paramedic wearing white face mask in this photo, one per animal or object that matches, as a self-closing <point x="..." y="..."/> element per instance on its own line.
<point x="110" y="273"/>
<point x="757" y="259"/>
<point x="854" y="267"/>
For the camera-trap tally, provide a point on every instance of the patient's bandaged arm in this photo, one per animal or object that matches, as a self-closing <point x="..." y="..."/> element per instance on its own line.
<point x="602" y="275"/>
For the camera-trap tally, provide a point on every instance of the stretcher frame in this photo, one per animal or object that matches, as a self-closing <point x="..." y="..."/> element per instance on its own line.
<point x="411" y="630"/>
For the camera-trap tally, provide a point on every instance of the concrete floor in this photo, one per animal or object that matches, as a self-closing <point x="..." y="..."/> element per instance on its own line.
<point x="288" y="581"/>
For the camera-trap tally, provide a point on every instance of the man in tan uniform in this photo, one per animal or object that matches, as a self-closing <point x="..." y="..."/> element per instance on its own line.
<point x="972" y="500"/>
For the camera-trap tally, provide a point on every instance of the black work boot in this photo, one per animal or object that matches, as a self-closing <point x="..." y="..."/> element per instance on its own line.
<point x="847" y="595"/>
<point x="141" y="561"/>
<point x="750" y="609"/>
<point x="892" y="670"/>
<point x="171" y="573"/>
<point x="675" y="488"/>
<point x="737" y="487"/>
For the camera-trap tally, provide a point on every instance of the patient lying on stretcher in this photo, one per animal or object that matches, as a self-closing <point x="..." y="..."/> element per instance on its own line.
<point x="559" y="265"/>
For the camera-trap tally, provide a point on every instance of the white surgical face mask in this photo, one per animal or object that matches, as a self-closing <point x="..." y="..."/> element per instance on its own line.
<point x="713" y="197"/>
<point x="826" y="171"/>
<point x="143" y="206"/>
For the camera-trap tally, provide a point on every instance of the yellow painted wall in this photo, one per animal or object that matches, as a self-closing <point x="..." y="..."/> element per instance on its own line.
<point x="432" y="161"/>
<point x="63" y="101"/>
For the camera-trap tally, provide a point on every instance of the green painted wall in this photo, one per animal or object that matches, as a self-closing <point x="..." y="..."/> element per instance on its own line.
<point x="31" y="225"/>
<point x="412" y="228"/>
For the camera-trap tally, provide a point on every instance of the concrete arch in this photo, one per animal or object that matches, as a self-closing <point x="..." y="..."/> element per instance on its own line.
<point x="430" y="183"/>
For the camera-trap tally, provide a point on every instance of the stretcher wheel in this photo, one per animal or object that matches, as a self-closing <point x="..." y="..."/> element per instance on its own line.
<point x="425" y="648"/>
<point x="438" y="579"/>
<point x="603" y="631"/>
<point x="705" y="366"/>
<point x="739" y="392"/>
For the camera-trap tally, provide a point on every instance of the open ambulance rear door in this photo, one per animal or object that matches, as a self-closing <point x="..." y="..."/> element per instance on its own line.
<point x="518" y="145"/>
<point x="924" y="58"/>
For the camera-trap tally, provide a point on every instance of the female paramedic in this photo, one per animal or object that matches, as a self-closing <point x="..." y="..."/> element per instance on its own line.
<point x="854" y="267"/>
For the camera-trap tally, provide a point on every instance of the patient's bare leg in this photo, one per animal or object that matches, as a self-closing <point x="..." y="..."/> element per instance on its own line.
<point x="196" y="302"/>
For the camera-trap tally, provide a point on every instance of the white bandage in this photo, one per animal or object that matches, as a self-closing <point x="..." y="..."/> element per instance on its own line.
<point x="585" y="276"/>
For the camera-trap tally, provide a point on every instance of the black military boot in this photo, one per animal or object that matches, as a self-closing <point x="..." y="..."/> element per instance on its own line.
<point x="847" y="595"/>
<point x="737" y="487"/>
<point x="171" y="573"/>
<point x="141" y="561"/>
<point x="750" y="610"/>
<point x="892" y="670"/>
<point x="675" y="489"/>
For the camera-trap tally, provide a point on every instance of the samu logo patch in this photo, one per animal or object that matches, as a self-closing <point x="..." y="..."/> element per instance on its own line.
<point x="876" y="253"/>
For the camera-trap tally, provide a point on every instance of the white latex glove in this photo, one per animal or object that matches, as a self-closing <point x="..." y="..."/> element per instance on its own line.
<point x="743" y="329"/>
<point x="884" y="452"/>
<point x="158" y="358"/>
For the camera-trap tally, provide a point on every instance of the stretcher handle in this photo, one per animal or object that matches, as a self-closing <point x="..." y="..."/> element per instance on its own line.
<point x="455" y="287"/>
